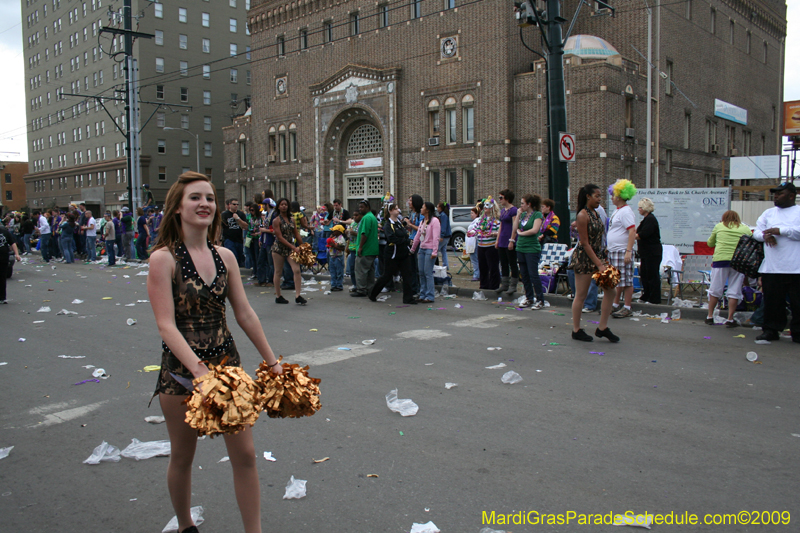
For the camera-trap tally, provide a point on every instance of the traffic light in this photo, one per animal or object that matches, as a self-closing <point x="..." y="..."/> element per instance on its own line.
<point x="524" y="14"/>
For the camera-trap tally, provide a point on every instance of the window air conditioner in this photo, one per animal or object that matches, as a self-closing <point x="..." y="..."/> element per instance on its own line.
<point x="735" y="153"/>
<point x="270" y="159"/>
<point x="433" y="141"/>
<point x="630" y="132"/>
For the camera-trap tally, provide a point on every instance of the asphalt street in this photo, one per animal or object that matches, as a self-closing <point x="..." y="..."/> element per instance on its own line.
<point x="673" y="419"/>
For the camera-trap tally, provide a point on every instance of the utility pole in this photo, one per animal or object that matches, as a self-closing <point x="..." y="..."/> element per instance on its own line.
<point x="550" y="24"/>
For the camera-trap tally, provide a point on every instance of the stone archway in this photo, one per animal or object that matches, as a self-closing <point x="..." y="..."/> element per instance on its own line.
<point x="355" y="157"/>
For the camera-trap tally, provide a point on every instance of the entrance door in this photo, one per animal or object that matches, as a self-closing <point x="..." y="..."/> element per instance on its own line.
<point x="360" y="186"/>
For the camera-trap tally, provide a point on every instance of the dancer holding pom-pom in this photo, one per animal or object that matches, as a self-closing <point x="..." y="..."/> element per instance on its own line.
<point x="587" y="258"/>
<point x="188" y="285"/>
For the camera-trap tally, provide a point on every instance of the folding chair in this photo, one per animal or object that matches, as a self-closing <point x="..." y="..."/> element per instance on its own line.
<point x="464" y="259"/>
<point x="688" y="277"/>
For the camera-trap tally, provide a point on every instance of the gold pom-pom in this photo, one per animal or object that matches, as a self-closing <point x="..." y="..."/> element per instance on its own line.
<point x="304" y="255"/>
<point x="608" y="278"/>
<point x="292" y="394"/>
<point x="225" y="400"/>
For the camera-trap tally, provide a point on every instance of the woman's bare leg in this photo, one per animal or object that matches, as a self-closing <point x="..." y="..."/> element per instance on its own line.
<point x="298" y="280"/>
<point x="582" y="282"/>
<point x="606" y="308"/>
<point x="183" y="441"/>
<point x="277" y="262"/>
<point x="245" y="478"/>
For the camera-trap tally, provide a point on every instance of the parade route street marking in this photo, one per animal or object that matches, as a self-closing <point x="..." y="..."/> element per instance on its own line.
<point x="423" y="334"/>
<point x="331" y="354"/>
<point x="62" y="416"/>
<point x="488" y="321"/>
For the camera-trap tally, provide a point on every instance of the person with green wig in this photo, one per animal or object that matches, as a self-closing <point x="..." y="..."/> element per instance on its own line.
<point x="621" y="237"/>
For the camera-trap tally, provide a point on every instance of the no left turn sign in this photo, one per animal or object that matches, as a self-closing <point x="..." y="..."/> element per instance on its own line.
<point x="566" y="147"/>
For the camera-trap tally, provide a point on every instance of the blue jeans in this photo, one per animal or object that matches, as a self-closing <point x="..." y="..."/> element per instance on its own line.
<point x="529" y="272"/>
<point x="443" y="252"/>
<point x="591" y="299"/>
<point x="336" y="268"/>
<point x="68" y="248"/>
<point x="425" y="267"/>
<point x="237" y="248"/>
<point x="264" y="267"/>
<point x="473" y="259"/>
<point x="44" y="246"/>
<point x="351" y="267"/>
<point x="112" y="257"/>
<point x="26" y="242"/>
<point x="91" y="248"/>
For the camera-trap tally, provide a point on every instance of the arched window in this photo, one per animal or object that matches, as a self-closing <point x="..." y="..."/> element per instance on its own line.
<point x="293" y="142"/>
<point x="366" y="140"/>
<point x="242" y="151"/>
<point x="468" y="118"/>
<point x="433" y="118"/>
<point x="282" y="142"/>
<point x="450" y="120"/>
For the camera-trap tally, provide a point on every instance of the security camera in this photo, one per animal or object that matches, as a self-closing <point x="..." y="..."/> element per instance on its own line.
<point x="663" y="74"/>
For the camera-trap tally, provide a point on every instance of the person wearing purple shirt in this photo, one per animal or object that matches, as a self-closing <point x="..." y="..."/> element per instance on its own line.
<point x="509" y="271"/>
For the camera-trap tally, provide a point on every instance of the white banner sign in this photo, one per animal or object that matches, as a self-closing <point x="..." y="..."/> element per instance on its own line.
<point x="730" y="112"/>
<point x="684" y="215"/>
<point x="756" y="167"/>
<point x="365" y="163"/>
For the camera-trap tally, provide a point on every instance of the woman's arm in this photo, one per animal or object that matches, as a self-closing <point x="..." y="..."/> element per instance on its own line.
<point x="244" y="314"/>
<point x="537" y="226"/>
<point x="712" y="240"/>
<point x="276" y="228"/>
<point x="436" y="231"/>
<point x="159" y="289"/>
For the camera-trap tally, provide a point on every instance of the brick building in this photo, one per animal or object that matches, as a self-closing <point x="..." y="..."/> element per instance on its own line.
<point x="192" y="72"/>
<point x="354" y="98"/>
<point x="12" y="186"/>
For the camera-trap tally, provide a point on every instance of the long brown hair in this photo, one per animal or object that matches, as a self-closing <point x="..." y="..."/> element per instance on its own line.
<point x="170" y="231"/>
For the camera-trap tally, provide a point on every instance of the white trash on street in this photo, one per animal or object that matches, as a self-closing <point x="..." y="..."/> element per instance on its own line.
<point x="296" y="488"/>
<point x="197" y="518"/>
<point x="405" y="407"/>
<point x="428" y="527"/>
<point x="146" y="450"/>
<point x="478" y="295"/>
<point x="511" y="377"/>
<point x="104" y="452"/>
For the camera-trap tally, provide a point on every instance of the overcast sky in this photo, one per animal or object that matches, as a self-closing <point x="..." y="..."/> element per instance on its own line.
<point x="12" y="92"/>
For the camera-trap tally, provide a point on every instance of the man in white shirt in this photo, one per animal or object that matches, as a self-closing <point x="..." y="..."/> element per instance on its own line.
<point x="91" y="237"/>
<point x="621" y="236"/>
<point x="43" y="228"/>
<point x="779" y="228"/>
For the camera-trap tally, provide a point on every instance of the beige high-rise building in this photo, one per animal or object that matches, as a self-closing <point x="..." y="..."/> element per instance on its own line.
<point x="199" y="57"/>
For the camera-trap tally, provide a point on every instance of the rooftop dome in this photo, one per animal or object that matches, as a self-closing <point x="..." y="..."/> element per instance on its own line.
<point x="589" y="47"/>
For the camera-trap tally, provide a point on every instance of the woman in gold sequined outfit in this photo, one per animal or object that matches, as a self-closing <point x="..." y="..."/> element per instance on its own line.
<point x="188" y="284"/>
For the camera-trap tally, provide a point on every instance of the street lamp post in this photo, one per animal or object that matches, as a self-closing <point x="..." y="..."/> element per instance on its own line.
<point x="196" y="143"/>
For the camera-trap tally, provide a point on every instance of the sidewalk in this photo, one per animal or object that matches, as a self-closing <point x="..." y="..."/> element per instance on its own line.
<point x="464" y="287"/>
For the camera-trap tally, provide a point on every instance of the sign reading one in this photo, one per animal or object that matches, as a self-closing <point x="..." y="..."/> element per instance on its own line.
<point x="684" y="215"/>
<point x="566" y="147"/>
<point x="365" y="163"/>
<point x="791" y="118"/>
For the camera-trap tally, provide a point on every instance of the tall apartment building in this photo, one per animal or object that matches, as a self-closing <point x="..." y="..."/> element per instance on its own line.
<point x="353" y="98"/>
<point x="198" y="57"/>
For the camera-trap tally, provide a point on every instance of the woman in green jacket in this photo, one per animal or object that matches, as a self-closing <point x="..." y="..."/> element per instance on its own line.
<point x="724" y="239"/>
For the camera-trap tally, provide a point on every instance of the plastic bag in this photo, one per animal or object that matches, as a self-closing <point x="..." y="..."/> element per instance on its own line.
<point x="197" y="518"/>
<point x="676" y="314"/>
<point x="154" y="419"/>
<point x="104" y="452"/>
<point x="405" y="407"/>
<point x="5" y="451"/>
<point x="296" y="488"/>
<point x="429" y="527"/>
<point x="478" y="295"/>
<point x="146" y="450"/>
<point x="511" y="377"/>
